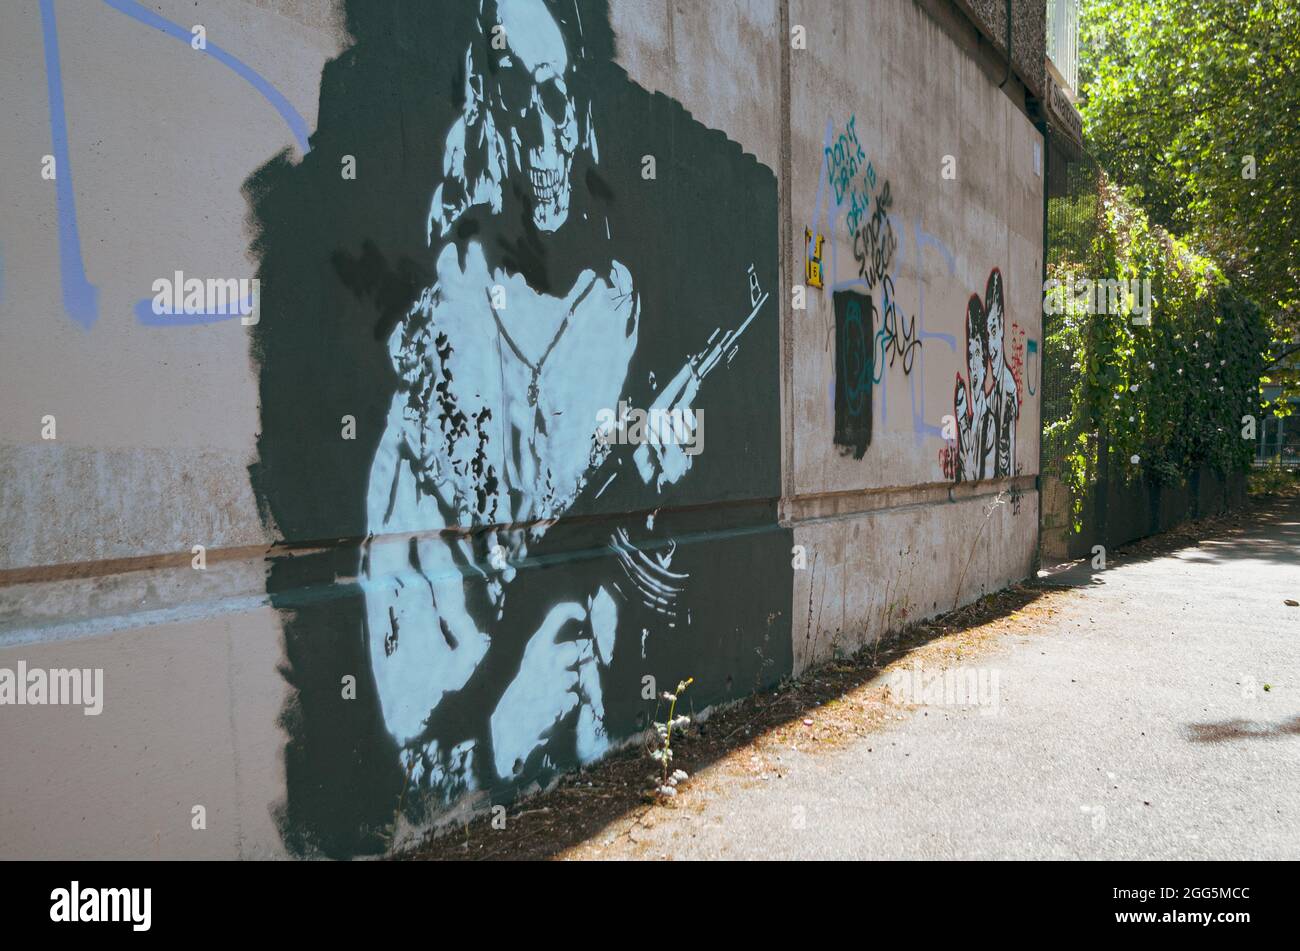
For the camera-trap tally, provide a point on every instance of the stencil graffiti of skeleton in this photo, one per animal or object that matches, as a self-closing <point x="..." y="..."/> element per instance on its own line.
<point x="986" y="403"/>
<point x="493" y="432"/>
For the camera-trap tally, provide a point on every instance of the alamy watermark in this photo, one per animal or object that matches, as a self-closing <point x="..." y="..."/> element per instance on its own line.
<point x="77" y="904"/>
<point x="947" y="687"/>
<point x="178" y="296"/>
<point x="1107" y="296"/>
<point x="629" y="426"/>
<point x="58" y="686"/>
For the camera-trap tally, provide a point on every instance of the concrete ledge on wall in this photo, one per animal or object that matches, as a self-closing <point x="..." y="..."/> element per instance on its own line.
<point x="872" y="574"/>
<point x="823" y="505"/>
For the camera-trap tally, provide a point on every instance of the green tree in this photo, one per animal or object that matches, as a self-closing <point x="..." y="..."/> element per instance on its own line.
<point x="1194" y="107"/>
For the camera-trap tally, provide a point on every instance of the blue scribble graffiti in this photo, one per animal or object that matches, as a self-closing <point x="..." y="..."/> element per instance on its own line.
<point x="296" y="123"/>
<point x="910" y="337"/>
<point x="80" y="297"/>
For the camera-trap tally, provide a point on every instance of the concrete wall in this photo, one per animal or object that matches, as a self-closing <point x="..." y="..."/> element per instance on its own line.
<point x="225" y="688"/>
<point x="890" y="532"/>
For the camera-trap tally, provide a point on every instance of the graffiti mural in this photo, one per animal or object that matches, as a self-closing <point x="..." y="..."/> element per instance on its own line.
<point x="897" y="335"/>
<point x="843" y="161"/>
<point x="846" y="184"/>
<point x="1017" y="360"/>
<point x="986" y="402"/>
<point x="499" y="278"/>
<point x="855" y="320"/>
<point x="874" y="243"/>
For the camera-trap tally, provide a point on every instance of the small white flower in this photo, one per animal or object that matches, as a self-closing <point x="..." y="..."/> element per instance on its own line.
<point x="667" y="791"/>
<point x="680" y="774"/>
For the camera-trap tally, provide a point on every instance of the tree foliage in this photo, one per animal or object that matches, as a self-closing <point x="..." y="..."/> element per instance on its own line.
<point x="1160" y="399"/>
<point x="1194" y="107"/>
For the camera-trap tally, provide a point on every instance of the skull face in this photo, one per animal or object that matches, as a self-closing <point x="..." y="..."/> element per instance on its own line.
<point x="532" y="108"/>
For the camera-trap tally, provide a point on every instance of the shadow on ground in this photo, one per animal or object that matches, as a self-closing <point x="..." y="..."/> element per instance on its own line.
<point x="605" y="796"/>
<point x="1242" y="730"/>
<point x="1213" y="540"/>
<point x="585" y="803"/>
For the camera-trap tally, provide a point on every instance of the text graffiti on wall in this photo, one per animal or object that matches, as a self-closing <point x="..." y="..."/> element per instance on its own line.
<point x="874" y="243"/>
<point x="948" y="460"/>
<point x="897" y="335"/>
<point x="843" y="161"/>
<point x="1017" y="360"/>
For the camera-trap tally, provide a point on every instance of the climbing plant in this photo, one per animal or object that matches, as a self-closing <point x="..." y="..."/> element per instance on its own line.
<point x="1161" y="398"/>
<point x="1193" y="104"/>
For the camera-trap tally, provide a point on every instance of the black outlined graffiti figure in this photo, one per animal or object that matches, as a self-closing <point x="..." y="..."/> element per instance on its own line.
<point x="986" y="403"/>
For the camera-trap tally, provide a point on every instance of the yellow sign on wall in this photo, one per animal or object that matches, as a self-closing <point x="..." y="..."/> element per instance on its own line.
<point x="812" y="269"/>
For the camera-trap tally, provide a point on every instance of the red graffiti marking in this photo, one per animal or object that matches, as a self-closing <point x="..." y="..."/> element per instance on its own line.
<point x="948" y="461"/>
<point x="1017" y="361"/>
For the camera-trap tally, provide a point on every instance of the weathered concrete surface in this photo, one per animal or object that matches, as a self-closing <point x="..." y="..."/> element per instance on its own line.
<point x="157" y="425"/>
<point x="1143" y="697"/>
<point x="875" y="567"/>
<point x="189" y="708"/>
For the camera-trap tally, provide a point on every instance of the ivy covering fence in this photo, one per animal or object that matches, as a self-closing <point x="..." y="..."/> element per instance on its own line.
<point x="1129" y="401"/>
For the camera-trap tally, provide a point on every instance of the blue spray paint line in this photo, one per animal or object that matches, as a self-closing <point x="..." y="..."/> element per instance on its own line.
<point x="923" y="240"/>
<point x="80" y="297"/>
<point x="296" y="123"/>
<point x="826" y="204"/>
<point x="144" y="313"/>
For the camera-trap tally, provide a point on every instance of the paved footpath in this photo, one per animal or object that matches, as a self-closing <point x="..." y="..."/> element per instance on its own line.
<point x="1154" y="713"/>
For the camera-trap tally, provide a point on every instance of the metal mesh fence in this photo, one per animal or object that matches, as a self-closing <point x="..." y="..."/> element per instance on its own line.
<point x="1073" y="226"/>
<point x="1108" y="477"/>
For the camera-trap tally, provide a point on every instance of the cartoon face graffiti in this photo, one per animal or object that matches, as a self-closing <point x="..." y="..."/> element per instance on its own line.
<point x="994" y="320"/>
<point x="531" y="105"/>
<point x="976" y="352"/>
<point x="986" y="403"/>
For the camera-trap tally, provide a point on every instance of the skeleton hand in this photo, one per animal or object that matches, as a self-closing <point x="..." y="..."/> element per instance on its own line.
<point x="674" y="436"/>
<point x="422" y="639"/>
<point x="560" y="671"/>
